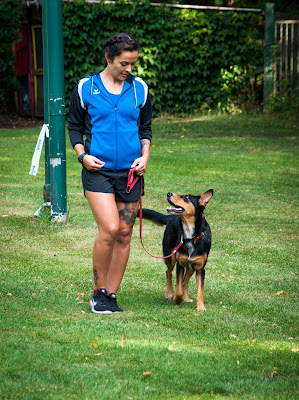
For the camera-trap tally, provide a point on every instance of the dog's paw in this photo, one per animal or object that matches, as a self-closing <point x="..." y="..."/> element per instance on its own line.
<point x="169" y="296"/>
<point x="201" y="308"/>
<point x="178" y="299"/>
<point x="188" y="300"/>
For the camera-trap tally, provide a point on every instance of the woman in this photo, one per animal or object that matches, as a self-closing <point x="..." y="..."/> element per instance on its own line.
<point x="112" y="108"/>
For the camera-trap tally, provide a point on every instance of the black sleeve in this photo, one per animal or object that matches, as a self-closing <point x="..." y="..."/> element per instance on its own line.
<point x="76" y="121"/>
<point x="145" y="129"/>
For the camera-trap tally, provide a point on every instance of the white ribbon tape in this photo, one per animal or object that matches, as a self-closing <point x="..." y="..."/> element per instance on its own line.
<point x="38" y="149"/>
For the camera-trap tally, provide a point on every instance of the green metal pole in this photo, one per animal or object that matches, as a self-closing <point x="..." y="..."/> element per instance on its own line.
<point x="268" y="51"/>
<point x="56" y="110"/>
<point x="47" y="185"/>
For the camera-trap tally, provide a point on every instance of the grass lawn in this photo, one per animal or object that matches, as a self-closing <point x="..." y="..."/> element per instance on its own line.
<point x="245" y="346"/>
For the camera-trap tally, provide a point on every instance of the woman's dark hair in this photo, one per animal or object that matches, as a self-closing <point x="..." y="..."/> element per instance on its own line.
<point x="119" y="43"/>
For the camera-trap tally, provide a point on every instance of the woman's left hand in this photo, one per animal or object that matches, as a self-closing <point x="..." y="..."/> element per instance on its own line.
<point x="140" y="165"/>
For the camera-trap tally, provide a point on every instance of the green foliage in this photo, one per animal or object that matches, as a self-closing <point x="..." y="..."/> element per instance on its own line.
<point x="286" y="103"/>
<point x="9" y="22"/>
<point x="189" y="59"/>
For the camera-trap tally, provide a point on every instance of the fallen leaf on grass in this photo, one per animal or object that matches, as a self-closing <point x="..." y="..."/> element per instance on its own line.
<point x="95" y="345"/>
<point x="279" y="293"/>
<point x="122" y="344"/>
<point x="223" y="276"/>
<point x="9" y="294"/>
<point x="146" y="373"/>
<point x="295" y="349"/>
<point x="274" y="372"/>
<point x="171" y="348"/>
<point x="233" y="336"/>
<point x="98" y="354"/>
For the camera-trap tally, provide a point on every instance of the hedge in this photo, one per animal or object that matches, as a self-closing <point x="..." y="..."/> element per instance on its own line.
<point x="10" y="17"/>
<point x="191" y="60"/>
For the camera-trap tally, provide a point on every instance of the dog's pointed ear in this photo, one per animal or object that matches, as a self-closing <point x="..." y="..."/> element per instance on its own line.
<point x="205" y="198"/>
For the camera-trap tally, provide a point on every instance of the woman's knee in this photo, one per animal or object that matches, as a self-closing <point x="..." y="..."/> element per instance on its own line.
<point x="124" y="236"/>
<point x="109" y="235"/>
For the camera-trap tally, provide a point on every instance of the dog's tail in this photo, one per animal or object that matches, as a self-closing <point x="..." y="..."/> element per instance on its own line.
<point x="155" y="216"/>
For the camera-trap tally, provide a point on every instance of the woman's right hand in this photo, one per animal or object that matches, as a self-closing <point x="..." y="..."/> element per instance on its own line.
<point x="92" y="163"/>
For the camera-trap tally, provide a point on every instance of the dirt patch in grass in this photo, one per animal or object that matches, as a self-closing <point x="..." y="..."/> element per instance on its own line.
<point x="14" y="121"/>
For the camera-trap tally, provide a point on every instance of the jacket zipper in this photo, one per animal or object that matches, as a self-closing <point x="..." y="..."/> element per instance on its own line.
<point x="116" y="150"/>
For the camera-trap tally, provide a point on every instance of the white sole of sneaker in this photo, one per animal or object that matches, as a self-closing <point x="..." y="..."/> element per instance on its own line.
<point x="99" y="312"/>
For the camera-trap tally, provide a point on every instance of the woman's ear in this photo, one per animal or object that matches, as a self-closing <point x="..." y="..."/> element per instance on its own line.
<point x="107" y="58"/>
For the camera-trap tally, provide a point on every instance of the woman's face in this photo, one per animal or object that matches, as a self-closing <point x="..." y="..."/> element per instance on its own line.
<point x="122" y="65"/>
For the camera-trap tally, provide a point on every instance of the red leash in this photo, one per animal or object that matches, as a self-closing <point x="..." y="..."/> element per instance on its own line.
<point x="130" y="184"/>
<point x="140" y="230"/>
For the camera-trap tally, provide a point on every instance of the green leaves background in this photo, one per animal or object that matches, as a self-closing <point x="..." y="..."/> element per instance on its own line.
<point x="191" y="60"/>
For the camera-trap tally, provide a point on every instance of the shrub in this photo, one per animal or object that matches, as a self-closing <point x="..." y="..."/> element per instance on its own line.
<point x="9" y="21"/>
<point x="190" y="59"/>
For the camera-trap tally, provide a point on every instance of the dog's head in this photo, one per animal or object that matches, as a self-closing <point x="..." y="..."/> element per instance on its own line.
<point x="187" y="205"/>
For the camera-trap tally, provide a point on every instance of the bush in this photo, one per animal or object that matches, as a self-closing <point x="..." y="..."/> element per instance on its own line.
<point x="189" y="59"/>
<point x="285" y="103"/>
<point x="9" y="21"/>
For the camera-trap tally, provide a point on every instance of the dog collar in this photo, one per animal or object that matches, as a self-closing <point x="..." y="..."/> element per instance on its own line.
<point x="194" y="239"/>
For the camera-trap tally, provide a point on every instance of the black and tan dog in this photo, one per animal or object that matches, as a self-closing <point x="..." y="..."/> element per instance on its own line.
<point x="186" y="224"/>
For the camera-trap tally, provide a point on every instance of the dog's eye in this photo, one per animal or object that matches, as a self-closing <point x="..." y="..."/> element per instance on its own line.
<point x="186" y="197"/>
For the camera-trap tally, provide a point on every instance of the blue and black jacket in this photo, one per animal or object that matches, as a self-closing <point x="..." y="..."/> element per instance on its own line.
<point x="113" y="132"/>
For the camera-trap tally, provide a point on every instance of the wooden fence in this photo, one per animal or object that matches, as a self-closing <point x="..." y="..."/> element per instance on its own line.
<point x="286" y="53"/>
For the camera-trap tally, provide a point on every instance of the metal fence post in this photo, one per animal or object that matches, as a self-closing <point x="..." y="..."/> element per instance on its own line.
<point x="47" y="185"/>
<point x="268" y="43"/>
<point x="56" y="110"/>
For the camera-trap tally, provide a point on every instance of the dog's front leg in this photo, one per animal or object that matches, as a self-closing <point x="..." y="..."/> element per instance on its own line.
<point x="170" y="263"/>
<point x="200" y="280"/>
<point x="179" y="283"/>
<point x="189" y="273"/>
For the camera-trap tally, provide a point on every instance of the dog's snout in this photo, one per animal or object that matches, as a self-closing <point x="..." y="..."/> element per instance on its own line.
<point x="169" y="195"/>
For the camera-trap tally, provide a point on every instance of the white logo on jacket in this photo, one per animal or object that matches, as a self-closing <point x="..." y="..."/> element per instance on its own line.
<point x="96" y="91"/>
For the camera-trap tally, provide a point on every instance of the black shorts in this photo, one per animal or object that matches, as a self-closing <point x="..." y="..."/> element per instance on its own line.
<point x="111" y="182"/>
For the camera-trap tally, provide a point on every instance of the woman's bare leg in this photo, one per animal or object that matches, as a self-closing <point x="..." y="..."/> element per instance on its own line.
<point x="105" y="212"/>
<point x="121" y="249"/>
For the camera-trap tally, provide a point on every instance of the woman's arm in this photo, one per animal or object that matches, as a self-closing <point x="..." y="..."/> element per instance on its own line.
<point x="145" y="134"/>
<point x="76" y="127"/>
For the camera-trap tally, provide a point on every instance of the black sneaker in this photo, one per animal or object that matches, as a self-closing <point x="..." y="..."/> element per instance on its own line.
<point x="100" y="303"/>
<point x="113" y="304"/>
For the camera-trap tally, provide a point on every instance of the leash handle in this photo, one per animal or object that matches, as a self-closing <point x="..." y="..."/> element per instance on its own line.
<point x="131" y="180"/>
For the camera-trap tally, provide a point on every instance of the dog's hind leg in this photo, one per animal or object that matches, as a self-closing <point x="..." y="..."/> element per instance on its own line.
<point x="179" y="283"/>
<point x="189" y="273"/>
<point x="200" y="280"/>
<point x="170" y="263"/>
